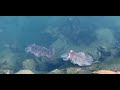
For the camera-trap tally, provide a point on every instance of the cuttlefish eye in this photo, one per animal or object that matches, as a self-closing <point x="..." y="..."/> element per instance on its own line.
<point x="65" y="57"/>
<point x="28" y="49"/>
<point x="71" y="50"/>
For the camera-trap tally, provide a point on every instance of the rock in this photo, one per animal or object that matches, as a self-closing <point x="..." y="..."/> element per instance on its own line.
<point x="71" y="70"/>
<point x="9" y="59"/>
<point x="103" y="53"/>
<point x="67" y="65"/>
<point x="105" y="37"/>
<point x="24" y="72"/>
<point x="115" y="67"/>
<point x="77" y="71"/>
<point x="112" y="64"/>
<point x="93" y="67"/>
<point x="56" y="71"/>
<point x="106" y="72"/>
<point x="29" y="64"/>
<point x="6" y="71"/>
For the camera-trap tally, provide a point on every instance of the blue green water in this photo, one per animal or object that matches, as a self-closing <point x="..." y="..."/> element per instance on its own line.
<point x="63" y="33"/>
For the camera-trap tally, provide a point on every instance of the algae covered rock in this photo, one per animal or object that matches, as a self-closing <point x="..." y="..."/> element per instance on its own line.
<point x="6" y="71"/>
<point x="71" y="70"/>
<point x="29" y="64"/>
<point x="77" y="71"/>
<point x="112" y="64"/>
<point x="9" y="59"/>
<point x="103" y="53"/>
<point x="93" y="67"/>
<point x="56" y="71"/>
<point x="115" y="67"/>
<point x="105" y="37"/>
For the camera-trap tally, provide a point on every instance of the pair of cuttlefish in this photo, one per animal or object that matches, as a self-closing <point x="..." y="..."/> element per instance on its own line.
<point x="79" y="58"/>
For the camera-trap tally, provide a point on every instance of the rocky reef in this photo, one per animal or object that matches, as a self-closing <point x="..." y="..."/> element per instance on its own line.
<point x="71" y="70"/>
<point x="9" y="60"/>
<point x="29" y="64"/>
